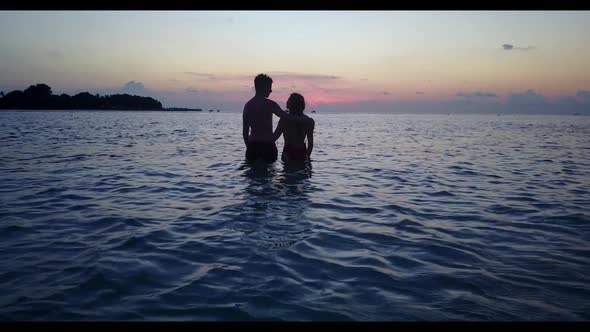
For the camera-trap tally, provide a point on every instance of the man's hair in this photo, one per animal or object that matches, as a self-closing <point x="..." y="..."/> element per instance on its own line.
<point x="262" y="81"/>
<point x="296" y="103"/>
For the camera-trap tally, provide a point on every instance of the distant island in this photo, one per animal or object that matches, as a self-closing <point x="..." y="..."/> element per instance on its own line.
<point x="40" y="97"/>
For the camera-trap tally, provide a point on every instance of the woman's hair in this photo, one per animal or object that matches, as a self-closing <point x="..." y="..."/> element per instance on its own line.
<point x="296" y="103"/>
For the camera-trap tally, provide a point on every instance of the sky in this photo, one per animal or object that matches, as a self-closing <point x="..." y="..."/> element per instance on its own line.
<point x="353" y="61"/>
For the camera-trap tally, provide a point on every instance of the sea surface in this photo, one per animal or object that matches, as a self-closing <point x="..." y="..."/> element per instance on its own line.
<point x="157" y="216"/>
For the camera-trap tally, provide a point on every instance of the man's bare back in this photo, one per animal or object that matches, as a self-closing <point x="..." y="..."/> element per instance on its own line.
<point x="258" y="116"/>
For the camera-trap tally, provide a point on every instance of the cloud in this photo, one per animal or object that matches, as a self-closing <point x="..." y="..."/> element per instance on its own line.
<point x="385" y="93"/>
<point x="343" y="99"/>
<point x="192" y="97"/>
<point x="276" y="76"/>
<point x="476" y="94"/>
<point x="201" y="75"/>
<point x="567" y="102"/>
<point x="134" y="88"/>
<point x="526" y="102"/>
<point x="280" y="79"/>
<point x="297" y="76"/>
<point x="510" y="47"/>
<point x="519" y="103"/>
<point x="528" y="98"/>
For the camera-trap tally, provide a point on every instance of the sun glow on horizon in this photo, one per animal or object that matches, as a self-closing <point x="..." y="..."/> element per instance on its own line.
<point x="332" y="58"/>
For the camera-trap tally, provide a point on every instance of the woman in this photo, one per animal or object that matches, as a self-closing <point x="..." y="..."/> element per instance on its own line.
<point x="294" y="148"/>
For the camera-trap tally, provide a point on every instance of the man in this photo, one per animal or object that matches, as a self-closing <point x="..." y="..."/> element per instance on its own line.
<point x="257" y="121"/>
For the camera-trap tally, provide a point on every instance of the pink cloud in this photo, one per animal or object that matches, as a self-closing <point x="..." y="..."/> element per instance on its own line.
<point x="316" y="88"/>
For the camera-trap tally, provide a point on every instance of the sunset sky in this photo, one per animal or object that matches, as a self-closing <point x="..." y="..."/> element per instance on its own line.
<point x="339" y="60"/>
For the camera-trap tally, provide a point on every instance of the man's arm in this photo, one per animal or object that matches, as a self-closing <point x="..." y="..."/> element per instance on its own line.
<point x="278" y="131"/>
<point x="245" y="126"/>
<point x="278" y="111"/>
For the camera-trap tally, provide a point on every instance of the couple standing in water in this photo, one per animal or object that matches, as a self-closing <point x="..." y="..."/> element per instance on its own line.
<point x="294" y="126"/>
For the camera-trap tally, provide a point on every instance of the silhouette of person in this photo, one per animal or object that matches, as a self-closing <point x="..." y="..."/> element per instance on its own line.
<point x="257" y="122"/>
<point x="295" y="133"/>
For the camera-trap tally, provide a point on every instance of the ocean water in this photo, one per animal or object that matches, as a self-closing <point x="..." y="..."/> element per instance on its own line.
<point x="156" y="216"/>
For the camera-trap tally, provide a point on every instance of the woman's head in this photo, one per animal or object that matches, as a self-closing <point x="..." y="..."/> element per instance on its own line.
<point x="296" y="103"/>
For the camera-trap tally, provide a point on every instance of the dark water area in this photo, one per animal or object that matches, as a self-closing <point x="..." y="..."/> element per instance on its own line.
<point x="156" y="216"/>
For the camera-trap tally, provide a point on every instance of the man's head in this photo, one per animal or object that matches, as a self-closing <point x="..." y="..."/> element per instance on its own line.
<point x="263" y="85"/>
<point x="296" y="103"/>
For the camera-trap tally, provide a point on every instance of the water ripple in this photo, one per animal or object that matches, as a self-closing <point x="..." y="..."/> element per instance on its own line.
<point x="155" y="216"/>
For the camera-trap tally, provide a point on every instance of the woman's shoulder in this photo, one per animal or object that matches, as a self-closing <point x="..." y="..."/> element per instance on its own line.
<point x="311" y="121"/>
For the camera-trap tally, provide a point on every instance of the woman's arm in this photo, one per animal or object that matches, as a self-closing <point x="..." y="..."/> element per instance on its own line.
<point x="310" y="139"/>
<point x="245" y="126"/>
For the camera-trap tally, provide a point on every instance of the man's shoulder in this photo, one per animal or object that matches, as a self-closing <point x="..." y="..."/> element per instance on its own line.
<point x="249" y="103"/>
<point x="260" y="101"/>
<point x="270" y="102"/>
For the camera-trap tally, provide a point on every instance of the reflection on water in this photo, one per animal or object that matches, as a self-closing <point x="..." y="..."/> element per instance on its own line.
<point x="296" y="173"/>
<point x="264" y="180"/>
<point x="272" y="215"/>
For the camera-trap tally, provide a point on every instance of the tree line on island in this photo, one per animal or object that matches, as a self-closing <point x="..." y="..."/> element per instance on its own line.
<point x="40" y="97"/>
